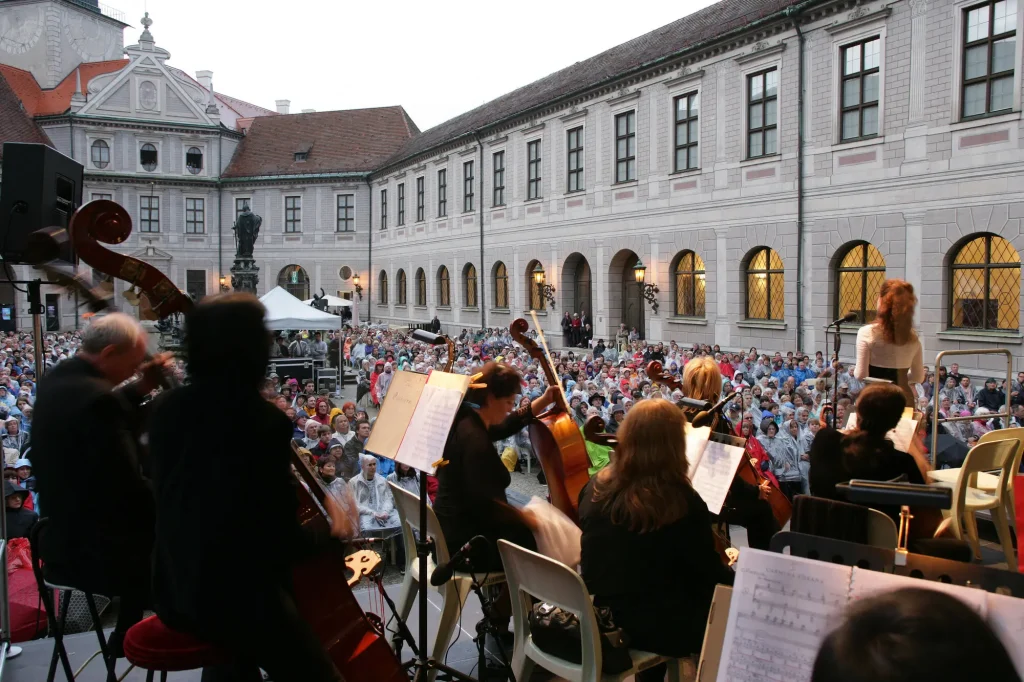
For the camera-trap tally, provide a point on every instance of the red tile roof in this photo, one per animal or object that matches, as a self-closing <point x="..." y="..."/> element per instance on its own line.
<point x="354" y="140"/>
<point x="39" y="102"/>
<point x="15" y="124"/>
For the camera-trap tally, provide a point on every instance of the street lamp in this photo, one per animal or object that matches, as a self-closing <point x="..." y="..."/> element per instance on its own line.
<point x="543" y="290"/>
<point x="358" y="288"/>
<point x="224" y="284"/>
<point x="648" y="291"/>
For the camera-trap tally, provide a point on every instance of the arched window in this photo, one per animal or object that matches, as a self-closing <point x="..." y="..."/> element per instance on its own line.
<point x="148" y="157"/>
<point x="382" y="288"/>
<point x="690" y="286"/>
<point x="100" y="154"/>
<point x="766" y="285"/>
<point x="402" y="286"/>
<point x="984" y="283"/>
<point x="194" y="160"/>
<point x="500" y="285"/>
<point x="859" y="276"/>
<point x="536" y="296"/>
<point x="444" y="287"/>
<point x="421" y="287"/>
<point x="469" y="286"/>
<point x="294" y="279"/>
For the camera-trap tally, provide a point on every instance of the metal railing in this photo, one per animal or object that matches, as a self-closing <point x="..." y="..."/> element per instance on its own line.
<point x="99" y="7"/>
<point x="935" y="407"/>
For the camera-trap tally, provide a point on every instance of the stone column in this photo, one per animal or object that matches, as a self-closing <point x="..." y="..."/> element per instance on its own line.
<point x="914" y="232"/>
<point x="916" y="134"/>
<point x="722" y="328"/>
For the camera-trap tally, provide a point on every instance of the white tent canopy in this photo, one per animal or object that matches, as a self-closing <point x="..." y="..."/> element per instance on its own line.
<point x="284" y="311"/>
<point x="333" y="301"/>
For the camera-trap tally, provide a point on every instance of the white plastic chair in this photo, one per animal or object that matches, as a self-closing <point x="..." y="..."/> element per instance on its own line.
<point x="532" y="575"/>
<point x="453" y="593"/>
<point x="968" y="498"/>
<point x="987" y="481"/>
<point x="882" y="531"/>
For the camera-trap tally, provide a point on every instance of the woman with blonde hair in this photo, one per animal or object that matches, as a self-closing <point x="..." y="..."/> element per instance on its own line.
<point x="889" y="348"/>
<point x="642" y="505"/>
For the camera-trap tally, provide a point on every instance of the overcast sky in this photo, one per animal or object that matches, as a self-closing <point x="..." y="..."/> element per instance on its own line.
<point x="438" y="59"/>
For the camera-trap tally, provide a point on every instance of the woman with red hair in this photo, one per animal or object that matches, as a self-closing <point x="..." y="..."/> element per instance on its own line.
<point x="889" y="348"/>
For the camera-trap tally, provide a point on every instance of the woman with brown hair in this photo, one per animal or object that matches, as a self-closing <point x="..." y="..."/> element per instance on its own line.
<point x="889" y="347"/>
<point x="641" y="517"/>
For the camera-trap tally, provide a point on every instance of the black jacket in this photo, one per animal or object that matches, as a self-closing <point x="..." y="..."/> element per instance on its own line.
<point x="993" y="400"/>
<point x="88" y="475"/>
<point x="226" y="524"/>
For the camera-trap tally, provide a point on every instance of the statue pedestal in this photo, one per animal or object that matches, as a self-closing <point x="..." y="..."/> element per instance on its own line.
<point x="245" y="275"/>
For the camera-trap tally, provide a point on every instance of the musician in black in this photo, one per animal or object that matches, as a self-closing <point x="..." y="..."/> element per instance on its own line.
<point x="226" y="543"/>
<point x="746" y="504"/>
<point x="83" y="442"/>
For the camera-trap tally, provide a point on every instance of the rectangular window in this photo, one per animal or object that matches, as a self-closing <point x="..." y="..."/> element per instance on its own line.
<point x="195" y="216"/>
<point x="195" y="284"/>
<point x="99" y="196"/>
<point x="293" y="214"/>
<point x="442" y="193"/>
<point x="533" y="170"/>
<point x="420" y="198"/>
<point x="499" y="179"/>
<point x="858" y="108"/>
<point x="383" y="209"/>
<point x="687" y="132"/>
<point x="467" y="186"/>
<point x="574" y="159"/>
<point x="241" y="204"/>
<point x="625" y="147"/>
<point x="762" y="114"/>
<point x="346" y="213"/>
<point x="401" y="204"/>
<point x="149" y="214"/>
<point x="990" y="50"/>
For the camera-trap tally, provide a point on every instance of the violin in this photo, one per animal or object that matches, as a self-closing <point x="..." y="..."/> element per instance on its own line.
<point x="594" y="432"/>
<point x="782" y="508"/>
<point x="555" y="437"/>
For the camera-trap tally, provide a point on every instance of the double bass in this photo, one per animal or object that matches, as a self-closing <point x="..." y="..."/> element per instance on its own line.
<point x="554" y="435"/>
<point x="356" y="648"/>
<point x="782" y="508"/>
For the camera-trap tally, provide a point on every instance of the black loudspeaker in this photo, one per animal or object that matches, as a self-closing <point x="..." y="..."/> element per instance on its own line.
<point x="41" y="188"/>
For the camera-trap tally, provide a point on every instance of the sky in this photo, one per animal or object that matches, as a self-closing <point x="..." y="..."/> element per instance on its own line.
<point x="438" y="59"/>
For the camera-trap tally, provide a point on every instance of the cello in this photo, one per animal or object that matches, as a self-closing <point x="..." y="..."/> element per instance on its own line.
<point x="782" y="508"/>
<point x="555" y="437"/>
<point x="357" y="650"/>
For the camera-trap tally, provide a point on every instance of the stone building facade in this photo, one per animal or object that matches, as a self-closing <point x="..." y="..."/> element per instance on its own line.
<point x="768" y="162"/>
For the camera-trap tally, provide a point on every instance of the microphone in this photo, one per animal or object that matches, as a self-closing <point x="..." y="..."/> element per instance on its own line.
<point x="694" y="404"/>
<point x="445" y="571"/>
<point x="432" y="338"/>
<point x="703" y="418"/>
<point x="848" y="317"/>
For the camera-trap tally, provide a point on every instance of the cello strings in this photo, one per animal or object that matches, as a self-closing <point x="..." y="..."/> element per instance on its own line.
<point x="552" y="371"/>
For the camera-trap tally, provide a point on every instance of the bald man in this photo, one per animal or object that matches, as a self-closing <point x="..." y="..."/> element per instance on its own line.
<point x="87" y="468"/>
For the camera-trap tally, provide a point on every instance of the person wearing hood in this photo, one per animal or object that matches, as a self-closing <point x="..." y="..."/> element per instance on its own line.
<point x="13" y="436"/>
<point x="616" y="417"/>
<point x="378" y="370"/>
<point x="405" y="477"/>
<point x="373" y="496"/>
<point x="343" y="432"/>
<point x="19" y="519"/>
<point x="384" y="381"/>
<point x="311" y="431"/>
<point x="323" y="409"/>
<point x="785" y="461"/>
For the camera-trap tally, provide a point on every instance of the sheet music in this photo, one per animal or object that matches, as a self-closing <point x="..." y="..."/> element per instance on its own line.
<point x="901" y="436"/>
<point x="427" y="434"/>
<point x="715" y="472"/>
<point x="864" y="583"/>
<point x="696" y="441"/>
<point x="782" y="607"/>
<point x="1006" y="616"/>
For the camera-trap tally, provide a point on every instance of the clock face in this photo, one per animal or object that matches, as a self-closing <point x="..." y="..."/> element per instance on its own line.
<point x="92" y="40"/>
<point x="147" y="96"/>
<point x="20" y="28"/>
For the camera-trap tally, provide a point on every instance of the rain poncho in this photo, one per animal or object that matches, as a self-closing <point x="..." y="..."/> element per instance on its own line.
<point x="373" y="497"/>
<point x="782" y="451"/>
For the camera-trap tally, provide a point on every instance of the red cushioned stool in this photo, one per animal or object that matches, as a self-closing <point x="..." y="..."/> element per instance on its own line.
<point x="151" y="645"/>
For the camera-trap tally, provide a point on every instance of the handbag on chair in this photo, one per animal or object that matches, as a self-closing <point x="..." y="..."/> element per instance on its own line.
<point x="557" y="632"/>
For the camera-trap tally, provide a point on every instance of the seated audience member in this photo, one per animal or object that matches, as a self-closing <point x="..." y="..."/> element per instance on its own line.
<point x="322" y="446"/>
<point x="405" y="477"/>
<point x="342" y="431"/>
<point x="19" y="518"/>
<point x="312" y="430"/>
<point x="325" y="469"/>
<point x="348" y="466"/>
<point x="14" y="437"/>
<point x="376" y="505"/>
<point x="909" y="635"/>
<point x="642" y="505"/>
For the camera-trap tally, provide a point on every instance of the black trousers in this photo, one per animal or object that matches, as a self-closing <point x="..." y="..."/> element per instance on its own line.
<point x="753" y="514"/>
<point x="265" y="631"/>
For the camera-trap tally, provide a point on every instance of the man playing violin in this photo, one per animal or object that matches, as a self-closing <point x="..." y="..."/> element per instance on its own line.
<point x="83" y="442"/>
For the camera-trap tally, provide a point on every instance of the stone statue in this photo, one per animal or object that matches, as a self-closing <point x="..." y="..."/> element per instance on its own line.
<point x="246" y="228"/>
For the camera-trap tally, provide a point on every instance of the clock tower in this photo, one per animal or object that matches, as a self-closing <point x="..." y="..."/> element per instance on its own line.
<point x="49" y="38"/>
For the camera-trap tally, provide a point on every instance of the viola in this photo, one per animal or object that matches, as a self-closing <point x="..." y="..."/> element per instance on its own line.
<point x="782" y="508"/>
<point x="554" y="435"/>
<point x="594" y="432"/>
<point x="357" y="649"/>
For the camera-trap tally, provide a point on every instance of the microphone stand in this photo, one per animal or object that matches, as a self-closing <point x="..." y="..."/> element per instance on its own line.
<point x="837" y="342"/>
